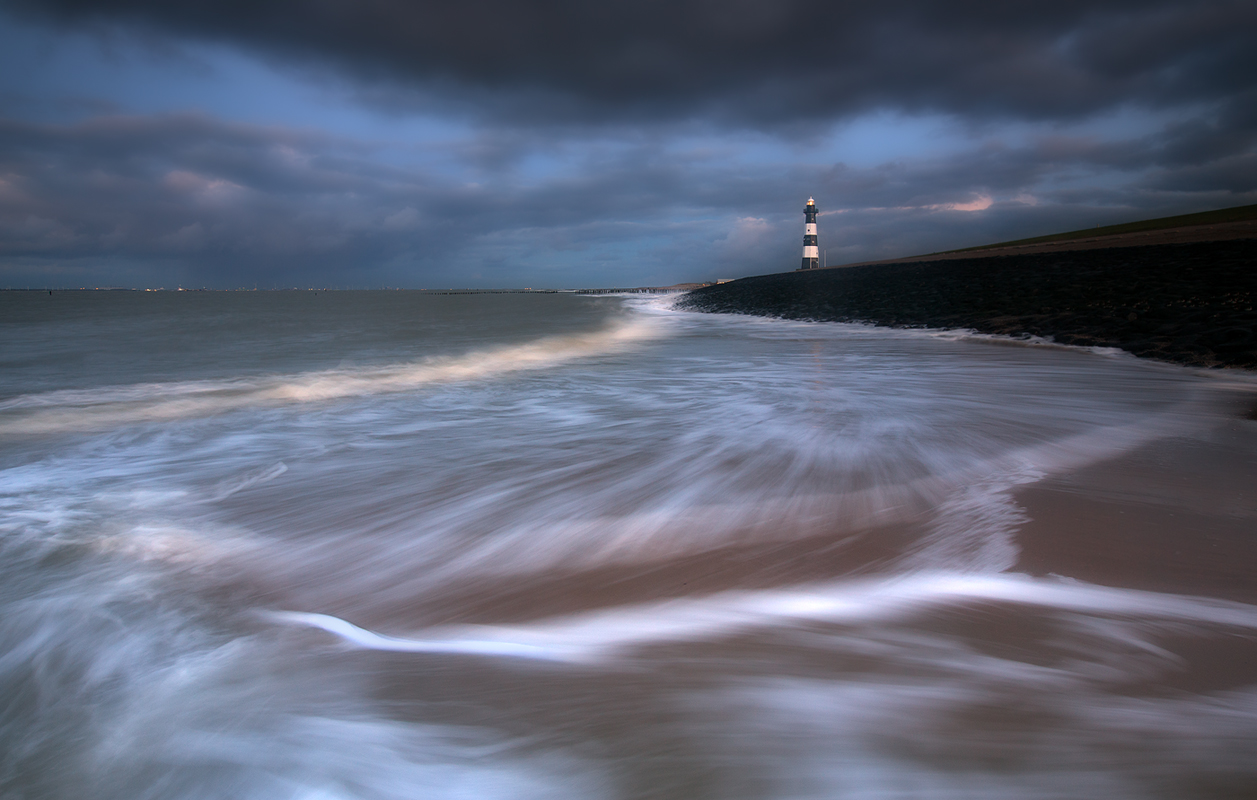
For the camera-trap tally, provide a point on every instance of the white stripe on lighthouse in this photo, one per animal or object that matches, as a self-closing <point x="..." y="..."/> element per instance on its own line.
<point x="811" y="251"/>
<point x="810" y="229"/>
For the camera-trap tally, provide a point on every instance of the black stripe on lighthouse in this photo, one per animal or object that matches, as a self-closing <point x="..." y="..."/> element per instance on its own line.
<point x="811" y="252"/>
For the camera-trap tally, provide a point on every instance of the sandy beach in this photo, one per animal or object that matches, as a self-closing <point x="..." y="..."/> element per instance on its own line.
<point x="1177" y="516"/>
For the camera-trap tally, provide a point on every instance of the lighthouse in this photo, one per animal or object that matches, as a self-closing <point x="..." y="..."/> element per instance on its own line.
<point x="811" y="253"/>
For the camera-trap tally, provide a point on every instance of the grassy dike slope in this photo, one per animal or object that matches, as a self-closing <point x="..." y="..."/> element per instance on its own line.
<point x="1187" y="303"/>
<point x="1220" y="217"/>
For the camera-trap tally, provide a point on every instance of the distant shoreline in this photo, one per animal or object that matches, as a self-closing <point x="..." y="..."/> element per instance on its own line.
<point x="1189" y="303"/>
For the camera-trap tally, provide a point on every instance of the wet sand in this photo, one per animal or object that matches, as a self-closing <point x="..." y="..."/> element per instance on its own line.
<point x="1178" y="515"/>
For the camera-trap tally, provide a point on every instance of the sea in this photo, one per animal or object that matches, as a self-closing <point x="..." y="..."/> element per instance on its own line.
<point x="404" y="544"/>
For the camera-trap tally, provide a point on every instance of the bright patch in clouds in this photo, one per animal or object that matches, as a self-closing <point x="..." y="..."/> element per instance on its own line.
<point x="977" y="204"/>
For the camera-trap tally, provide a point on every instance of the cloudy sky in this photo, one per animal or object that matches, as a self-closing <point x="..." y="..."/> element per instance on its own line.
<point x="568" y="143"/>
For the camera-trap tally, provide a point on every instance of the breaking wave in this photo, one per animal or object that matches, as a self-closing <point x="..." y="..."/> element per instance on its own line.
<point x="89" y="409"/>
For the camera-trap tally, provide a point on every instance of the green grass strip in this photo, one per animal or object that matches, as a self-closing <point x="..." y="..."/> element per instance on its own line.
<point x="1236" y="214"/>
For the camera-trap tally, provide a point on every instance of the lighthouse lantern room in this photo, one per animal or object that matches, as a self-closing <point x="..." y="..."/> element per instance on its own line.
<point x="811" y="252"/>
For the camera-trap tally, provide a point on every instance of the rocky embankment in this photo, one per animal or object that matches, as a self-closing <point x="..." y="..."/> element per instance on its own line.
<point x="1190" y="303"/>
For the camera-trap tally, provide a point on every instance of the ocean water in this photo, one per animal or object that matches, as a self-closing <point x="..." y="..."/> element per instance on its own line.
<point x="396" y="545"/>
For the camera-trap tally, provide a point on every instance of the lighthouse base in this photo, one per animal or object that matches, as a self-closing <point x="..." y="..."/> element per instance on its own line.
<point x="811" y="263"/>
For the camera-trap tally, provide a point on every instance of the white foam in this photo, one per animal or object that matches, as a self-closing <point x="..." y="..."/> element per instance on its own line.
<point x="974" y="515"/>
<point x="970" y="335"/>
<point x="602" y="636"/>
<point x="368" y="640"/>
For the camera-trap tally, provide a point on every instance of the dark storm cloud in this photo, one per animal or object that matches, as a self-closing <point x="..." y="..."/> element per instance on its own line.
<point x="191" y="190"/>
<point x="1213" y="151"/>
<point x="229" y="204"/>
<point x="233" y="203"/>
<point x="757" y="61"/>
